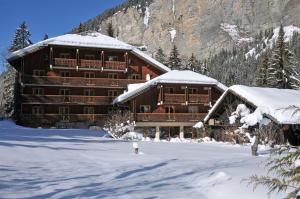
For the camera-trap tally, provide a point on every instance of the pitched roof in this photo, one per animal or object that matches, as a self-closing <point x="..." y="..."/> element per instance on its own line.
<point x="172" y="77"/>
<point x="283" y="105"/>
<point x="92" y="40"/>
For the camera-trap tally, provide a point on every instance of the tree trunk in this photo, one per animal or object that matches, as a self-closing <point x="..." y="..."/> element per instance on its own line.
<point x="254" y="146"/>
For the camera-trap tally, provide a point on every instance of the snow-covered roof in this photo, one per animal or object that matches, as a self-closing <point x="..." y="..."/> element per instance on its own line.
<point x="172" y="77"/>
<point x="91" y="40"/>
<point x="282" y="105"/>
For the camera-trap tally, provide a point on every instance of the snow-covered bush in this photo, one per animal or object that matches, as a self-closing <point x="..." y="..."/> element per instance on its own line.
<point x="118" y="124"/>
<point x="255" y="126"/>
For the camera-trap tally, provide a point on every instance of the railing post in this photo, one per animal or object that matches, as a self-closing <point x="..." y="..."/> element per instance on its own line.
<point x="181" y="132"/>
<point x="186" y="95"/>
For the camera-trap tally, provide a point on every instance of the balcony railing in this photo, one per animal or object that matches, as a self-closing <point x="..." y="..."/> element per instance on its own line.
<point x="169" y="117"/>
<point x="52" y="118"/>
<point x="85" y="63"/>
<point x="67" y="99"/>
<point x="174" y="98"/>
<point x="79" y="81"/>
<point x="198" y="98"/>
<point x="181" y="98"/>
<point x="115" y="65"/>
<point x="65" y="62"/>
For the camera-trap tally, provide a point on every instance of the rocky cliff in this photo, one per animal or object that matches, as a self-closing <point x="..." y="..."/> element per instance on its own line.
<point x="201" y="27"/>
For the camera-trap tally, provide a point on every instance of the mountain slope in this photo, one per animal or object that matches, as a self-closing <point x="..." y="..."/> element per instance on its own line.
<point x="202" y="27"/>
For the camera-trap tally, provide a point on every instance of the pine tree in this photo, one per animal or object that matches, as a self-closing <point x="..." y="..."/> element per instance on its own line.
<point x="80" y="28"/>
<point x="192" y="64"/>
<point x="174" y="61"/>
<point x="285" y="171"/>
<point x="160" y="56"/>
<point x="46" y="37"/>
<point x="262" y="72"/>
<point x="282" y="70"/>
<point x="9" y="88"/>
<point x="110" y="30"/>
<point x="21" y="38"/>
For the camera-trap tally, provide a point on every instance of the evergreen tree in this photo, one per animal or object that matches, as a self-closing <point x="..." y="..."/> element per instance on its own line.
<point x="285" y="171"/>
<point x="174" y="61"/>
<point x="282" y="70"/>
<point x="160" y="56"/>
<point x="46" y="37"/>
<point x="21" y="38"/>
<point x="192" y="64"/>
<point x="110" y="30"/>
<point x="262" y="72"/>
<point x="80" y="28"/>
<point x="9" y="89"/>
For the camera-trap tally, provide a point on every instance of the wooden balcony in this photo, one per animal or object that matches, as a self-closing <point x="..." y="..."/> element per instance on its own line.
<point x="115" y="65"/>
<point x="198" y="98"/>
<point x="181" y="98"/>
<point x="92" y="64"/>
<point x="79" y="81"/>
<point x="174" y="98"/>
<point x="68" y="99"/>
<point x="52" y="118"/>
<point x="65" y="62"/>
<point x="85" y="63"/>
<point x="172" y="117"/>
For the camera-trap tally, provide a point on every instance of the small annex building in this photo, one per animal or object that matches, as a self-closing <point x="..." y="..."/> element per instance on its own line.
<point x="170" y="105"/>
<point x="282" y="108"/>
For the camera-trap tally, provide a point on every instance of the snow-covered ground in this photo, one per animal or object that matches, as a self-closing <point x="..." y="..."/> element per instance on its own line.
<point x="37" y="163"/>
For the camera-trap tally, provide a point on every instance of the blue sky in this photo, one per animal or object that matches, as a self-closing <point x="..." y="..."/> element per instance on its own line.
<point x="54" y="17"/>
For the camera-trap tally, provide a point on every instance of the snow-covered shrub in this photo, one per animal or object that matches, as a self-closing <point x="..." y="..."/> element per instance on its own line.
<point x="132" y="136"/>
<point x="254" y="126"/>
<point x="118" y="124"/>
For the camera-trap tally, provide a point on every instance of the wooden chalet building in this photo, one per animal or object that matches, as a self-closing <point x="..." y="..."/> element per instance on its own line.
<point x="282" y="107"/>
<point x="171" y="104"/>
<point x="71" y="80"/>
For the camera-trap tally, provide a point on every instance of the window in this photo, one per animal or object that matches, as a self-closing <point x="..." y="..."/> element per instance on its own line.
<point x="113" y="76"/>
<point x="89" y="75"/>
<point x="113" y="93"/>
<point x="169" y="90"/>
<point x="38" y="73"/>
<point x="89" y="57"/>
<point x="135" y="76"/>
<point x="38" y="91"/>
<point x="64" y="91"/>
<point x="65" y="55"/>
<point x="88" y="110"/>
<point x="145" y="108"/>
<point x="112" y="58"/>
<point x="89" y="92"/>
<point x="37" y="110"/>
<point x="64" y="73"/>
<point x="193" y="90"/>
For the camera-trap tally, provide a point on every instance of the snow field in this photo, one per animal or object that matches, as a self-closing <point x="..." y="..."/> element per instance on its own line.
<point x="39" y="163"/>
